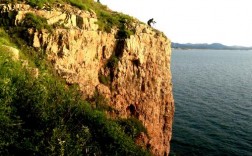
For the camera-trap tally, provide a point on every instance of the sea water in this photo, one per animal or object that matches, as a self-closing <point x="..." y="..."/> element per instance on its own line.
<point x="213" y="102"/>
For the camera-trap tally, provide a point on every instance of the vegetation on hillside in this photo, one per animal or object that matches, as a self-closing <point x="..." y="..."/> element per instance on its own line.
<point x="43" y="115"/>
<point x="107" y="19"/>
<point x="33" y="21"/>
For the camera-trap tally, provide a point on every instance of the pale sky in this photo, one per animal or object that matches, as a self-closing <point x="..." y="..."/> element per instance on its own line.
<point x="194" y="21"/>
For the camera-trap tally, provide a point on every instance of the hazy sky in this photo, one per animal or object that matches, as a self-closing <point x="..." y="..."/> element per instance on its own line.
<point x="194" y="21"/>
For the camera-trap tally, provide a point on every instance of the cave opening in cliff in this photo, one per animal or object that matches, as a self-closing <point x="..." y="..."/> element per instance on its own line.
<point x="131" y="110"/>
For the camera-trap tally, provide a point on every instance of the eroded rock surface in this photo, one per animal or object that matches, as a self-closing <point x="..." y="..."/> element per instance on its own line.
<point x="140" y="81"/>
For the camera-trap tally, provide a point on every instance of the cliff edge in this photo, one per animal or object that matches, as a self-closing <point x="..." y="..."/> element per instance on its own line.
<point x="132" y="70"/>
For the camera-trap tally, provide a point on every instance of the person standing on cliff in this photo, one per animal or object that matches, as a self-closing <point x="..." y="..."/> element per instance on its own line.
<point x="151" y="21"/>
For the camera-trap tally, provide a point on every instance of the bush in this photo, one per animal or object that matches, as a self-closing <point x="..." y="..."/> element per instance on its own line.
<point x="107" y="20"/>
<point x="79" y="3"/>
<point x="124" y="33"/>
<point x="99" y="102"/>
<point x="104" y="79"/>
<point x="9" y="122"/>
<point x="43" y="116"/>
<point x="113" y="61"/>
<point x="33" y="21"/>
<point x="4" y="38"/>
<point x="132" y="127"/>
<point x="38" y="3"/>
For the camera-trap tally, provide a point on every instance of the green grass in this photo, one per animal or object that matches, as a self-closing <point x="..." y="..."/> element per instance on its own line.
<point x="44" y="116"/>
<point x="33" y="21"/>
<point x="80" y="4"/>
<point x="4" y="38"/>
<point x="132" y="127"/>
<point x="107" y="19"/>
<point x="39" y="3"/>
<point x="37" y="115"/>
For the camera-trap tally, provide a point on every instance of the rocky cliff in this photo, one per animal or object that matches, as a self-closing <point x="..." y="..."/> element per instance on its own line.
<point x="132" y="73"/>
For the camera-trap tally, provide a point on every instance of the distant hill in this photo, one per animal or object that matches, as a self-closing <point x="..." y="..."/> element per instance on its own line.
<point x="215" y="46"/>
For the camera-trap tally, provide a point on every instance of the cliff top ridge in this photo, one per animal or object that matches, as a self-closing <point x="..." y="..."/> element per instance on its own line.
<point x="107" y="19"/>
<point x="117" y="67"/>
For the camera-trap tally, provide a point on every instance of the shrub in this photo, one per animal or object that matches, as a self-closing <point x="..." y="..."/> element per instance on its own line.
<point x="104" y="79"/>
<point x="132" y="127"/>
<point x="41" y="3"/>
<point x="113" y="61"/>
<point x="43" y="116"/>
<point x="107" y="20"/>
<point x="79" y="3"/>
<point x="99" y="102"/>
<point x="4" y="38"/>
<point x="38" y="3"/>
<point x="33" y="21"/>
<point x="9" y="122"/>
<point x="124" y="33"/>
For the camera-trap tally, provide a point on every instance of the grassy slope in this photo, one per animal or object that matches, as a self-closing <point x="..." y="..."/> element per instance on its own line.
<point x="107" y="19"/>
<point x="44" y="116"/>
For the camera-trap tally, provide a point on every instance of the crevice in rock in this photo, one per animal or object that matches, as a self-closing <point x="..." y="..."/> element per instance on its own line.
<point x="112" y="63"/>
<point x="119" y="48"/>
<point x="103" y="52"/>
<point x="8" y="18"/>
<point x="60" y="47"/>
<point x="136" y="62"/>
<point x="143" y="87"/>
<point x="131" y="111"/>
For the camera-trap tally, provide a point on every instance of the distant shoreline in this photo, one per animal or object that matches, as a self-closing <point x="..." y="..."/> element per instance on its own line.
<point x="204" y="46"/>
<point x="207" y="49"/>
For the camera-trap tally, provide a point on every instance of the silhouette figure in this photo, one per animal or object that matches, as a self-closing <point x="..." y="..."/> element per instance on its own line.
<point x="151" y="21"/>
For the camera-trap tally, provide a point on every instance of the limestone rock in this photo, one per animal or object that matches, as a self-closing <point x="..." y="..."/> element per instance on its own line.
<point x="104" y="90"/>
<point x="140" y="85"/>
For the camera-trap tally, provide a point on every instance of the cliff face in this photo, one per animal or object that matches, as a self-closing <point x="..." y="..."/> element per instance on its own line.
<point x="137" y="82"/>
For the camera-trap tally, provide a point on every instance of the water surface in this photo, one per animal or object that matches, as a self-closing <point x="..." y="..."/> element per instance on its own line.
<point x="213" y="99"/>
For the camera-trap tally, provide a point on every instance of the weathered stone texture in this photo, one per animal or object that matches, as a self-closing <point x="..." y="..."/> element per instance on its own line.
<point x="141" y="86"/>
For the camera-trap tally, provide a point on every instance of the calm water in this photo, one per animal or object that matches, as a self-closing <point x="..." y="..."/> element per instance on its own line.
<point x="213" y="98"/>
